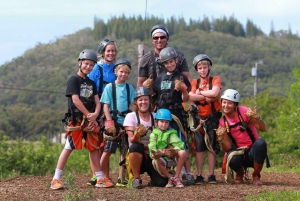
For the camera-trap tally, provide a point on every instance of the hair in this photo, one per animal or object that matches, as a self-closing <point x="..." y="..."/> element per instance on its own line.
<point x="122" y="66"/>
<point x="204" y="62"/>
<point x="135" y="108"/>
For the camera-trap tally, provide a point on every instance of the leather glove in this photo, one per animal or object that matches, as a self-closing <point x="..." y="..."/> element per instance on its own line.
<point x="179" y="84"/>
<point x="110" y="127"/>
<point x="252" y="113"/>
<point x="149" y="82"/>
<point x="220" y="132"/>
<point x="140" y="130"/>
<point x="170" y="152"/>
<point x="157" y="154"/>
<point x="93" y="127"/>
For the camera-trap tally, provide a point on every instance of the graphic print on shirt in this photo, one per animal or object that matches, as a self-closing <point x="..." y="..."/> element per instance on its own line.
<point x="86" y="91"/>
<point x="165" y="84"/>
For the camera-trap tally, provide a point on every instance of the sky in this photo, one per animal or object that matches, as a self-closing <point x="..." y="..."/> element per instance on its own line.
<point x="24" y="24"/>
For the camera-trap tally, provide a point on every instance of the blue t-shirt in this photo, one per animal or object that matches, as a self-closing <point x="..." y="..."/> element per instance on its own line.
<point x="108" y="75"/>
<point x="121" y="95"/>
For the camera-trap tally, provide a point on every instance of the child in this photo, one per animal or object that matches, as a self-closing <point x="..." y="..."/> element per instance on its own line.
<point x="205" y="93"/>
<point x="162" y="137"/>
<point x="102" y="74"/>
<point x="116" y="98"/>
<point x="171" y="89"/>
<point x="83" y="106"/>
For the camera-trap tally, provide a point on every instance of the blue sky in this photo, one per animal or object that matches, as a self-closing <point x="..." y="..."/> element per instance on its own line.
<point x="27" y="23"/>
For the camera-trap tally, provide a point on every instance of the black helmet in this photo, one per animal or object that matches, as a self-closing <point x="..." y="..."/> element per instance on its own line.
<point x="123" y="61"/>
<point x="103" y="44"/>
<point x="167" y="53"/>
<point x="88" y="54"/>
<point x="159" y="26"/>
<point x="200" y="57"/>
<point x="141" y="91"/>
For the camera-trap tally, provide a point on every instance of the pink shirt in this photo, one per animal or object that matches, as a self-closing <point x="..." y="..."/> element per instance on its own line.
<point x="131" y="120"/>
<point x="241" y="138"/>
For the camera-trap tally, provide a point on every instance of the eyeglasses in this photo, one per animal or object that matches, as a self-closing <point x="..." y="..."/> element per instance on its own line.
<point x="157" y="37"/>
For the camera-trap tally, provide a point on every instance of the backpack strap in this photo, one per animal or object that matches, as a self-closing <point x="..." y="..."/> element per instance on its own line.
<point x="154" y="73"/>
<point x="115" y="111"/>
<point x="101" y="81"/>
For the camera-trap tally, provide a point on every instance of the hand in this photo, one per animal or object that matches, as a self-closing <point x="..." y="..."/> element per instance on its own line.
<point x="179" y="85"/>
<point x="220" y="132"/>
<point x="91" y="116"/>
<point x="170" y="152"/>
<point x="157" y="154"/>
<point x="140" y="130"/>
<point x="252" y="113"/>
<point x="110" y="127"/>
<point x="149" y="82"/>
<point x="92" y="127"/>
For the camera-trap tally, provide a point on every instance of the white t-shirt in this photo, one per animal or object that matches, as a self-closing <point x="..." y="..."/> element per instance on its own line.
<point x="131" y="120"/>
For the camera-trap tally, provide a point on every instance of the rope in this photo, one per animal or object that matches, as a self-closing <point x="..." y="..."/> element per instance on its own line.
<point x="240" y="151"/>
<point x="68" y="128"/>
<point x="192" y="123"/>
<point x="207" y="142"/>
<point x="180" y="126"/>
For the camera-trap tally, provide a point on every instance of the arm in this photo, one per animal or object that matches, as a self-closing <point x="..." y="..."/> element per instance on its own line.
<point x="79" y="105"/>
<point x="213" y="93"/>
<point x="259" y="124"/>
<point x="94" y="115"/>
<point x="187" y="74"/>
<point x="152" y="144"/>
<point x="140" y="81"/>
<point x="106" y="111"/>
<point x="130" y="132"/>
<point x="226" y="144"/>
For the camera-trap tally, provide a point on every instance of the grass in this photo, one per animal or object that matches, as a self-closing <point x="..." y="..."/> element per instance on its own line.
<point x="275" y="196"/>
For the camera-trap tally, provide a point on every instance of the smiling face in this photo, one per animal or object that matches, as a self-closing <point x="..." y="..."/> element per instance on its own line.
<point x="122" y="72"/>
<point x="170" y="64"/>
<point x="110" y="53"/>
<point x="143" y="103"/>
<point x="228" y="107"/>
<point x="159" y="40"/>
<point x="86" y="66"/>
<point x="203" y="68"/>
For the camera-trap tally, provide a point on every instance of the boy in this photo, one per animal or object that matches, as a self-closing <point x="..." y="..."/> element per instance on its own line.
<point x="171" y="89"/>
<point x="205" y="93"/>
<point x="83" y="106"/>
<point x="160" y="139"/>
<point x="116" y="99"/>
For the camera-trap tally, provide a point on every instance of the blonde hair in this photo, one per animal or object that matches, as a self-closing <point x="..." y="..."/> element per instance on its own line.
<point x="110" y="43"/>
<point x="204" y="62"/>
<point x="122" y="66"/>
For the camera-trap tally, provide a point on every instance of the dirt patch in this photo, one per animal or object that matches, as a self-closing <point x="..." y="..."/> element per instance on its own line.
<point x="37" y="188"/>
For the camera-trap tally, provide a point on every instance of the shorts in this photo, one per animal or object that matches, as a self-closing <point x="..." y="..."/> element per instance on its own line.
<point x="74" y="139"/>
<point x="200" y="142"/>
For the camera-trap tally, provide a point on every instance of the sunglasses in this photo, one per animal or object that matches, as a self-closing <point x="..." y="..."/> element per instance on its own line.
<point x="159" y="37"/>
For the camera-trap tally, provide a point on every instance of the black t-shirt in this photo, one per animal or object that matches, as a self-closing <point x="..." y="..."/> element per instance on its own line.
<point x="146" y="65"/>
<point x="163" y="86"/>
<point x="84" y="88"/>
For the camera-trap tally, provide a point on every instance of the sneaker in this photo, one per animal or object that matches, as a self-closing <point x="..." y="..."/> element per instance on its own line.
<point x="212" y="179"/>
<point x="104" y="183"/>
<point x="56" y="184"/>
<point x="189" y="179"/>
<point x="170" y="182"/>
<point x="199" y="180"/>
<point x="137" y="183"/>
<point x="92" y="181"/>
<point x="178" y="183"/>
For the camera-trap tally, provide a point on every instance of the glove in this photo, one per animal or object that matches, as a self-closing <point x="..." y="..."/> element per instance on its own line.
<point x="157" y="154"/>
<point x="170" y="152"/>
<point x="252" y="113"/>
<point x="92" y="127"/>
<point x="149" y="82"/>
<point x="110" y="127"/>
<point x="140" y="130"/>
<point x="179" y="84"/>
<point x="220" y="132"/>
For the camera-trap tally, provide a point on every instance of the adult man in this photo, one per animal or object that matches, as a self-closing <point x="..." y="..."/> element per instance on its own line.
<point x="150" y="65"/>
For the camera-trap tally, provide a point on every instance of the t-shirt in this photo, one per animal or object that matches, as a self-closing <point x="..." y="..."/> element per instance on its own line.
<point x="131" y="120"/>
<point x="84" y="88"/>
<point x="204" y="86"/>
<point x="108" y="75"/>
<point x="146" y="65"/>
<point x="121" y="95"/>
<point x="241" y="138"/>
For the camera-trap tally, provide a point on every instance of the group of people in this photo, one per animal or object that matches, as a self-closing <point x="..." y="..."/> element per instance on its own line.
<point x="149" y="123"/>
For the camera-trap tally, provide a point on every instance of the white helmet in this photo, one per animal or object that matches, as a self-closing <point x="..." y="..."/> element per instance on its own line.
<point x="232" y="95"/>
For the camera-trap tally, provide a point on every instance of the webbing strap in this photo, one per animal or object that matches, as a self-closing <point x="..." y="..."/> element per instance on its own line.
<point x="101" y="81"/>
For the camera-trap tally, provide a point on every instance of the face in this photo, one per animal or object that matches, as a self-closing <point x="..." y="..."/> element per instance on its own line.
<point x="86" y="66"/>
<point x="228" y="106"/>
<point x="123" y="73"/>
<point x="170" y="64"/>
<point x="163" y="124"/>
<point x="159" y="40"/>
<point x="202" y="69"/>
<point x="143" y="103"/>
<point x="110" y="53"/>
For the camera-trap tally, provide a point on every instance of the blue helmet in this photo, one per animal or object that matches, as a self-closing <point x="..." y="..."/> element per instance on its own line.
<point x="163" y="114"/>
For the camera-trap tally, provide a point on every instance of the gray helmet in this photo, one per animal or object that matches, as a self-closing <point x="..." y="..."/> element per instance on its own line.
<point x="200" y="57"/>
<point x="232" y="95"/>
<point x="102" y="45"/>
<point x="88" y="54"/>
<point x="141" y="91"/>
<point x="159" y="26"/>
<point x="167" y="53"/>
<point x="123" y="61"/>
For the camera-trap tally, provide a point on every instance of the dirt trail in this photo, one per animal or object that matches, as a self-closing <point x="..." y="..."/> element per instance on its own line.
<point x="37" y="188"/>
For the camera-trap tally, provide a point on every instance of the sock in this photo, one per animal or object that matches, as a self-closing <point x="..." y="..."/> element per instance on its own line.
<point x="183" y="170"/>
<point x="99" y="175"/>
<point x="57" y="174"/>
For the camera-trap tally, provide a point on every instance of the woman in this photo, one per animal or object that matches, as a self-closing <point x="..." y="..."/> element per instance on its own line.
<point x="138" y="125"/>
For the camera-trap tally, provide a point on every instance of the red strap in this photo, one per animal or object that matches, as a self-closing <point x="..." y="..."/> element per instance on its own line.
<point x="224" y="163"/>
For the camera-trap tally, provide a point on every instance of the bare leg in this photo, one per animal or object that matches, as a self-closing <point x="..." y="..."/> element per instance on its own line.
<point x="200" y="162"/>
<point x="135" y="163"/>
